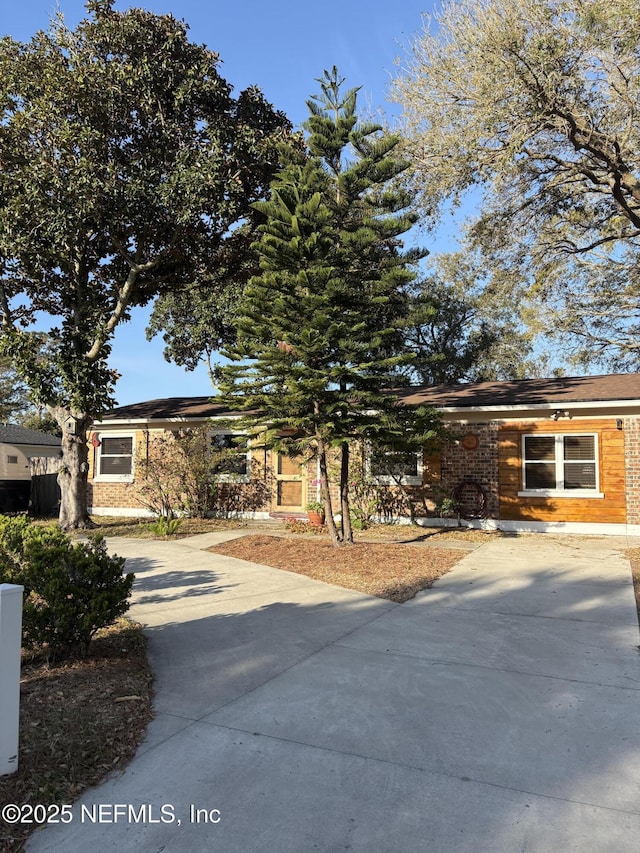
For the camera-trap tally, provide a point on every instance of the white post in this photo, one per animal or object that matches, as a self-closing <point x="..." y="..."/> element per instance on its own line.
<point x="10" y="642"/>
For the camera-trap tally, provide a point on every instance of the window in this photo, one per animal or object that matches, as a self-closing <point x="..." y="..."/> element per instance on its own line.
<point x="396" y="467"/>
<point x="561" y="464"/>
<point x="114" y="458"/>
<point x="12" y="460"/>
<point x="233" y="456"/>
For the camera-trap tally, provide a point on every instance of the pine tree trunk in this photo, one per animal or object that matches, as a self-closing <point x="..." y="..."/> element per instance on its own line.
<point x="324" y="491"/>
<point x="345" y="506"/>
<point x="73" y="473"/>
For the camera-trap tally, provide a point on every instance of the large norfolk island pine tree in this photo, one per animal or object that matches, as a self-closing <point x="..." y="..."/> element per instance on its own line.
<point x="125" y="167"/>
<point x="318" y="329"/>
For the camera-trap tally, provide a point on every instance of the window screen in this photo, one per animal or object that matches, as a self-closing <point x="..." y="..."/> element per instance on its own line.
<point x="560" y="462"/>
<point x="232" y="454"/>
<point x="395" y="465"/>
<point x="579" y="462"/>
<point x="540" y="462"/>
<point x="116" y="455"/>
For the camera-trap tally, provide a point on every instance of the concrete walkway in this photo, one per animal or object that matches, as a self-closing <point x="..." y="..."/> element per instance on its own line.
<point x="496" y="713"/>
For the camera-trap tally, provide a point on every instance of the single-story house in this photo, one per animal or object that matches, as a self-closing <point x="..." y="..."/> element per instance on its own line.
<point x="19" y="448"/>
<point x="559" y="454"/>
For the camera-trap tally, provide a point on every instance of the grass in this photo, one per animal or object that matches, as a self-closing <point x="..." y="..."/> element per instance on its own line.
<point x="80" y="719"/>
<point x="141" y="528"/>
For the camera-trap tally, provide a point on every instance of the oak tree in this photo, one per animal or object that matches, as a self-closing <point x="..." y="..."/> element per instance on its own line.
<point x="14" y="399"/>
<point x="125" y="166"/>
<point x="460" y="326"/>
<point x="535" y="103"/>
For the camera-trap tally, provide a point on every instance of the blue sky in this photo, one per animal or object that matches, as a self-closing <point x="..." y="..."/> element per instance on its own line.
<point x="282" y="47"/>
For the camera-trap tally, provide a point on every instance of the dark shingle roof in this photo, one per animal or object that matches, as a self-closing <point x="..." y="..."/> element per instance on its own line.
<point x="170" y="407"/>
<point x="523" y="392"/>
<point x="518" y="392"/>
<point x="13" y="434"/>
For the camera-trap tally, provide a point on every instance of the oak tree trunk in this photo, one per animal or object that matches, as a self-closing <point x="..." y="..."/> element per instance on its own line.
<point x="73" y="473"/>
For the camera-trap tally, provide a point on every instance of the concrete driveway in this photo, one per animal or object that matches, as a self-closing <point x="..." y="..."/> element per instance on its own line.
<point x="495" y="712"/>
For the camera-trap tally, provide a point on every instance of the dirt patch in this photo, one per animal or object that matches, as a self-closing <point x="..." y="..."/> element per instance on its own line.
<point x="391" y="570"/>
<point x="79" y="720"/>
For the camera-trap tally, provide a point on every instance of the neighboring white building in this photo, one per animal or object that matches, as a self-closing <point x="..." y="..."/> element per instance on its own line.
<point x="18" y="446"/>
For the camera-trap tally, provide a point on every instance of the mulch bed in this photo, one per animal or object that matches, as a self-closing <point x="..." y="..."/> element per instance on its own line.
<point x="392" y="571"/>
<point x="79" y="720"/>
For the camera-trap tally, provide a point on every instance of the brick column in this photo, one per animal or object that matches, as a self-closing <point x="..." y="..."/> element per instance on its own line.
<point x="632" y="468"/>
<point x="479" y="464"/>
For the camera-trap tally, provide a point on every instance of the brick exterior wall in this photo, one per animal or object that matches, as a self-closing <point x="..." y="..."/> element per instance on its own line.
<point x="112" y="495"/>
<point x="442" y="474"/>
<point x="479" y="464"/>
<point x="632" y="468"/>
<point x="105" y="495"/>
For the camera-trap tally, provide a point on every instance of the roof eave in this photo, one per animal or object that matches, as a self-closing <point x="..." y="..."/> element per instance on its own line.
<point x="178" y="419"/>
<point x="516" y="408"/>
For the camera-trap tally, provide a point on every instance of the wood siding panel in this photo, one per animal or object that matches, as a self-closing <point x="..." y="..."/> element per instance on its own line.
<point x="432" y="467"/>
<point x="289" y="493"/>
<point x="610" y="509"/>
<point x="289" y="465"/>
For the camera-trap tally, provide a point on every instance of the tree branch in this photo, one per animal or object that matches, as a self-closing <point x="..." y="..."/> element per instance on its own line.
<point x="7" y="321"/>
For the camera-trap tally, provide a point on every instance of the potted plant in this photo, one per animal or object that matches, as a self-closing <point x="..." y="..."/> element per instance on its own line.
<point x="315" y="512"/>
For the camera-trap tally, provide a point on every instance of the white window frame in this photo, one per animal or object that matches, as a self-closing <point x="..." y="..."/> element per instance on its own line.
<point x="389" y="480"/>
<point x="559" y="461"/>
<point x="233" y="478"/>
<point x="98" y="477"/>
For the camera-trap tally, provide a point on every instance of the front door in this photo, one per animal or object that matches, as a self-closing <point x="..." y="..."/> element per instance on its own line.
<point x="290" y="483"/>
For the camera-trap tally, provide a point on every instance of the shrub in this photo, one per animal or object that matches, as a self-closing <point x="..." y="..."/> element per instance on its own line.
<point x="300" y="525"/>
<point x="230" y="499"/>
<point x="13" y="530"/>
<point x="164" y="526"/>
<point x="371" y="499"/>
<point x="71" y="589"/>
<point x="178" y="475"/>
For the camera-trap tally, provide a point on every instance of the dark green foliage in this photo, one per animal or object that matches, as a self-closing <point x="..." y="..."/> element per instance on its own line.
<point x="198" y="320"/>
<point x="127" y="167"/>
<point x="14" y="399"/>
<point x="71" y="588"/>
<point x="41" y="422"/>
<point x="13" y="532"/>
<point x="462" y="325"/>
